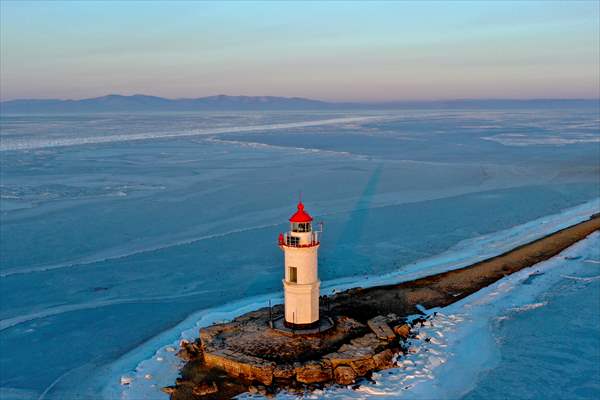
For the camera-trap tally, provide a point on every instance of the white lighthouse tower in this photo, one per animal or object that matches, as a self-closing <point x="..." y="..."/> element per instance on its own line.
<point x="301" y="283"/>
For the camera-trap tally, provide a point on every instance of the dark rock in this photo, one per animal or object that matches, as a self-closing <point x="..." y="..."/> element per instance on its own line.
<point x="344" y="375"/>
<point x="189" y="350"/>
<point x="205" y="388"/>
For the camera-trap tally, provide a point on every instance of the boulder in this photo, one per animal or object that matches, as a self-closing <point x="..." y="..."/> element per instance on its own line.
<point x="314" y="372"/>
<point x="205" y="388"/>
<point x="384" y="359"/>
<point x="363" y="366"/>
<point x="344" y="375"/>
<point x="402" y="331"/>
<point x="189" y="350"/>
<point x="380" y="328"/>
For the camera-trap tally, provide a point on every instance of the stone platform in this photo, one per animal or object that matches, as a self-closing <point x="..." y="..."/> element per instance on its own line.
<point x="251" y="335"/>
<point x="249" y="351"/>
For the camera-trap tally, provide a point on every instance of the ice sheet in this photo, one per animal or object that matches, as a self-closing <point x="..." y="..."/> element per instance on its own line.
<point x="108" y="244"/>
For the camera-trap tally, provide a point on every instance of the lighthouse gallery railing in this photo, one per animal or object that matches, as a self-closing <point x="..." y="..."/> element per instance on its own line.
<point x="288" y="240"/>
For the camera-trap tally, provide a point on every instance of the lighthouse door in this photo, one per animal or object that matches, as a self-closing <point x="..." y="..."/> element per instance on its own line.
<point x="293" y="274"/>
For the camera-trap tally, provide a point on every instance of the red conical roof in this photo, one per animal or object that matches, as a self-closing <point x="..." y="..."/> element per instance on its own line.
<point x="301" y="215"/>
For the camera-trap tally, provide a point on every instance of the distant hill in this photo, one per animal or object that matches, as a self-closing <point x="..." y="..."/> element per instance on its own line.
<point x="138" y="102"/>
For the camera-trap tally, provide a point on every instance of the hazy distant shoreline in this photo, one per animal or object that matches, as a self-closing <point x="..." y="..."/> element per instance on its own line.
<point x="141" y="103"/>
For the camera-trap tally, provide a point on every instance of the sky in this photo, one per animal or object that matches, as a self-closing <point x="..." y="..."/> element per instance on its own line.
<point x="339" y="51"/>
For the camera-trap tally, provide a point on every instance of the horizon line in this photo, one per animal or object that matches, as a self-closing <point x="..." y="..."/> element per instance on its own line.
<point x="309" y="98"/>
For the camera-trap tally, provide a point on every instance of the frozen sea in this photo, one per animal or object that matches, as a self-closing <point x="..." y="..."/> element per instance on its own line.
<point x="122" y="233"/>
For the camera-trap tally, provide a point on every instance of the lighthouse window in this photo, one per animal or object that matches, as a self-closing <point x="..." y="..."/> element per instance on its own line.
<point x="293" y="241"/>
<point x="301" y="227"/>
<point x="293" y="274"/>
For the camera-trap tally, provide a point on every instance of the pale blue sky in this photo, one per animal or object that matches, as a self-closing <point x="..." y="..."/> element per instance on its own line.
<point x="333" y="51"/>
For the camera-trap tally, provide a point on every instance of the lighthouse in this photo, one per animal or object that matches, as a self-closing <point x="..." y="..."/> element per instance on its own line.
<point x="301" y="281"/>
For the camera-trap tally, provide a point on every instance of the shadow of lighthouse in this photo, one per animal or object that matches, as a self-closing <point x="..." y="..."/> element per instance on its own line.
<point x="348" y="247"/>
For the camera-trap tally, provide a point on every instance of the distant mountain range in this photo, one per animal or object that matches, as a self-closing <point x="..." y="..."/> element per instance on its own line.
<point x="143" y="103"/>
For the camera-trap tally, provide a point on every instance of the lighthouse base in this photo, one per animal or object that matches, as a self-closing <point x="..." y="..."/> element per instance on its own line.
<point x="319" y="326"/>
<point x="301" y="303"/>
